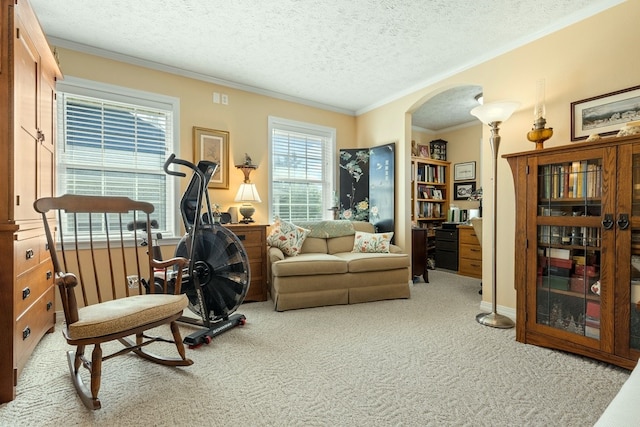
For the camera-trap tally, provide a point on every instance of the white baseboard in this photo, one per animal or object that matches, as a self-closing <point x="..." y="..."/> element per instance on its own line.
<point x="505" y="311"/>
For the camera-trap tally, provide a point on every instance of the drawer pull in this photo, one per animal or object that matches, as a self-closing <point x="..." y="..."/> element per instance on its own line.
<point x="49" y="274"/>
<point x="26" y="332"/>
<point x="241" y="236"/>
<point x="25" y="293"/>
<point x="475" y="250"/>
<point x="29" y="253"/>
<point x="49" y="305"/>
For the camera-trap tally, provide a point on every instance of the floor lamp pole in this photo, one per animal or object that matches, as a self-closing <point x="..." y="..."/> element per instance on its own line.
<point x="494" y="319"/>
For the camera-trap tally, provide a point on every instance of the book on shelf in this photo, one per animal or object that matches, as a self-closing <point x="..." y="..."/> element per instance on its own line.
<point x="430" y="210"/>
<point x="593" y="311"/>
<point x="557" y="253"/>
<point x="577" y="179"/>
<point x="457" y="215"/>
<point x="592" y="332"/>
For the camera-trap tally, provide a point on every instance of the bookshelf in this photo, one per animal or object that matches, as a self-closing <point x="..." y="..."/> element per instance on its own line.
<point x="578" y="227"/>
<point x="430" y="192"/>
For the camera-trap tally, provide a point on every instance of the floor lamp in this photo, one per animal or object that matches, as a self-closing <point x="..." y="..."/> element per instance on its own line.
<point x="493" y="114"/>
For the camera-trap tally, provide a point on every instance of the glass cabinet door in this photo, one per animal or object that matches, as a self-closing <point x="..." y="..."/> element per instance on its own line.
<point x="569" y="247"/>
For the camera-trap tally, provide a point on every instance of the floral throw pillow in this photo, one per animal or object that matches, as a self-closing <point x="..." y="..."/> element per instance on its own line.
<point x="372" y="242"/>
<point x="287" y="237"/>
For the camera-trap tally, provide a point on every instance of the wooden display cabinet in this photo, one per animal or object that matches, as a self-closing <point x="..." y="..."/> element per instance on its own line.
<point x="578" y="227"/>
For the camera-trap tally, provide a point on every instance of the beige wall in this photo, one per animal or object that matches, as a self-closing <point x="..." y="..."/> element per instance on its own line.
<point x="464" y="145"/>
<point x="590" y="58"/>
<point x="245" y="118"/>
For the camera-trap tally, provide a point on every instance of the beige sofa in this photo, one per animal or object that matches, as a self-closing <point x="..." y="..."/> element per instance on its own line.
<point x="327" y="271"/>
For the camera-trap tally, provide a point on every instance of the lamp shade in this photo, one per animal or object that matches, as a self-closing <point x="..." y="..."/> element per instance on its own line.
<point x="247" y="193"/>
<point x="495" y="111"/>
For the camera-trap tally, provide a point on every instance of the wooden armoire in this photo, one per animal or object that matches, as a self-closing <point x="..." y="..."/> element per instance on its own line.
<point x="28" y="74"/>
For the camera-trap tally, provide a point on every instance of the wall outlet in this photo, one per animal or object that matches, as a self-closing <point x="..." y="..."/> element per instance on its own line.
<point x="225" y="99"/>
<point x="216" y="98"/>
<point x="132" y="281"/>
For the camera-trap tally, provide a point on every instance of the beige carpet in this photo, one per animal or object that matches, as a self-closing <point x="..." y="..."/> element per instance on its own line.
<point x="418" y="362"/>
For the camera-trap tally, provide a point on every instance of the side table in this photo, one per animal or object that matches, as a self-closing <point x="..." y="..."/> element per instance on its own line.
<point x="254" y="240"/>
<point x="419" y="243"/>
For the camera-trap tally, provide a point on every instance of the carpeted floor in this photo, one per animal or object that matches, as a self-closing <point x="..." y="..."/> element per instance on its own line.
<point x="418" y="362"/>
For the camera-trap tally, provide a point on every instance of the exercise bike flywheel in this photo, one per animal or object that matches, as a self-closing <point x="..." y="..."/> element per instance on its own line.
<point x="221" y="268"/>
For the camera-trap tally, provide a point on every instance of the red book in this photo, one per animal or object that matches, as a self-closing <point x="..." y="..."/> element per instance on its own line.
<point x="593" y="310"/>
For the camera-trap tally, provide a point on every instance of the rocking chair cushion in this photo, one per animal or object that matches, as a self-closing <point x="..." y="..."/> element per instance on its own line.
<point x="120" y="315"/>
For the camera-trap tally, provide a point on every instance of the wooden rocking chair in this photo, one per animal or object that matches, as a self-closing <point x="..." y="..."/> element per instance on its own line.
<point x="99" y="262"/>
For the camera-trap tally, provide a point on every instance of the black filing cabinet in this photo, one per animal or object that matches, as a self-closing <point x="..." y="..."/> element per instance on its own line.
<point x="447" y="248"/>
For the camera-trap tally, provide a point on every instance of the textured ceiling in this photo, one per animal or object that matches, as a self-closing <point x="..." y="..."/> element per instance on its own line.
<point x="348" y="56"/>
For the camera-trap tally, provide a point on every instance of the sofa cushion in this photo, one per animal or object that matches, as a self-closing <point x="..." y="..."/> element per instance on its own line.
<point x="314" y="245"/>
<point x="287" y="237"/>
<point x="119" y="315"/>
<point x="340" y="244"/>
<point x="309" y="265"/>
<point x="361" y="262"/>
<point x="372" y="242"/>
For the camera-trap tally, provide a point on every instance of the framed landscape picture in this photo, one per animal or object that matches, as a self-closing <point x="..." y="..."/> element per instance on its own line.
<point x="213" y="145"/>
<point x="604" y="114"/>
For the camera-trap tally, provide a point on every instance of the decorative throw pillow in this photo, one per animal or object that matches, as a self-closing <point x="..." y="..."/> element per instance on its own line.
<point x="372" y="242"/>
<point x="287" y="237"/>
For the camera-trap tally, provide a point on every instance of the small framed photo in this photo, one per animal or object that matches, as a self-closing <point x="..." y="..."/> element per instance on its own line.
<point x="463" y="190"/>
<point x="213" y="145"/>
<point x="464" y="171"/>
<point x="423" y="151"/>
<point x="604" y="114"/>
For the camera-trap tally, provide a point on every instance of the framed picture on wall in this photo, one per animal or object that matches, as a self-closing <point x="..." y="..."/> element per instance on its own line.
<point x="463" y="190"/>
<point x="213" y="145"/>
<point x="604" y="114"/>
<point x="464" y="171"/>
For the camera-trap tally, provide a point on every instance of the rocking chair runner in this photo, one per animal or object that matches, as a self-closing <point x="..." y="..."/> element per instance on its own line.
<point x="97" y="257"/>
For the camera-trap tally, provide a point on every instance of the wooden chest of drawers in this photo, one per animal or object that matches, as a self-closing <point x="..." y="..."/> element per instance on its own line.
<point x="254" y="239"/>
<point x="28" y="75"/>
<point x="469" y="252"/>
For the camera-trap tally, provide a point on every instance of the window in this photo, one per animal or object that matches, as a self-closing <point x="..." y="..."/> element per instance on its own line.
<point x="113" y="141"/>
<point x="302" y="171"/>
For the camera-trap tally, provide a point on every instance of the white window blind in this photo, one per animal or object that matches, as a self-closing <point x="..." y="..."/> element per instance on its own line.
<point x="302" y="171"/>
<point x="116" y="148"/>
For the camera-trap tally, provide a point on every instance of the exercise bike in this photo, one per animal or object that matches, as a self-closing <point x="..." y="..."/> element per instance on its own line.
<point x="217" y="278"/>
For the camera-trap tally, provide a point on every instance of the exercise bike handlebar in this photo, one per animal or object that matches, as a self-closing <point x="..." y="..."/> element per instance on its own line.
<point x="172" y="160"/>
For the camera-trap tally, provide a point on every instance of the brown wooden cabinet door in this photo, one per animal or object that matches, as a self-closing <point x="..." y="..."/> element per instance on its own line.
<point x="46" y="158"/>
<point x="567" y="264"/>
<point x="26" y="85"/>
<point x="627" y="228"/>
<point x="27" y="77"/>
